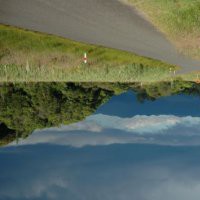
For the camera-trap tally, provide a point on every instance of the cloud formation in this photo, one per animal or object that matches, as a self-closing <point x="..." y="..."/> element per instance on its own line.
<point x="105" y="130"/>
<point x="141" y="123"/>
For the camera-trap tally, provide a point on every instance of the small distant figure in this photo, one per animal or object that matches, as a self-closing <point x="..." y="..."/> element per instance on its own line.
<point x="85" y="58"/>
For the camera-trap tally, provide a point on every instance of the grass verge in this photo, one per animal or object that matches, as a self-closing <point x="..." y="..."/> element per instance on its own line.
<point x="178" y="19"/>
<point x="30" y="56"/>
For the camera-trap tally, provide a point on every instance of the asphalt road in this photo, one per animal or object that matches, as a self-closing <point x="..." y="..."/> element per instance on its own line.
<point x="104" y="22"/>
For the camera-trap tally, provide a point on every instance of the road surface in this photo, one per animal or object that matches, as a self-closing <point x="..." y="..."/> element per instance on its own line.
<point x="103" y="22"/>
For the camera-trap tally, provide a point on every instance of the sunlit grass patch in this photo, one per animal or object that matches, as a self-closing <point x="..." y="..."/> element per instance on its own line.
<point x="31" y="56"/>
<point x="85" y="73"/>
<point x="178" y="19"/>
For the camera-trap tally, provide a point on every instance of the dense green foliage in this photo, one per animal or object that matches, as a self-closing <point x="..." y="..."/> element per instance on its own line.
<point x="26" y="107"/>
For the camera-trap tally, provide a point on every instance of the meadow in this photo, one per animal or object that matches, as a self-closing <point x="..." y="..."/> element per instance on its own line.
<point x="27" y="56"/>
<point x="179" y="20"/>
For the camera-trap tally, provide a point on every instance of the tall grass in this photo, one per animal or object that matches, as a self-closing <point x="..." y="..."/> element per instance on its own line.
<point x="84" y="73"/>
<point x="31" y="56"/>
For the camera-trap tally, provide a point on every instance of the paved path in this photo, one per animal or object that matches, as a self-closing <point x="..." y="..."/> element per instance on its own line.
<point x="103" y="22"/>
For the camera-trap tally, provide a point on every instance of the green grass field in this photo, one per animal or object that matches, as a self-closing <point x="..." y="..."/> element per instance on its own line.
<point x="30" y="56"/>
<point x="178" y="19"/>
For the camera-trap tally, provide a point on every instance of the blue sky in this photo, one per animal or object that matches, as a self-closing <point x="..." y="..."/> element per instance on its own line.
<point x="126" y="105"/>
<point x="126" y="150"/>
<point x="118" y="172"/>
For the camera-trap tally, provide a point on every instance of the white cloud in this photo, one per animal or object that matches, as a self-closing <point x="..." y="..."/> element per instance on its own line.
<point x="80" y="126"/>
<point x="140" y="123"/>
<point x="105" y="130"/>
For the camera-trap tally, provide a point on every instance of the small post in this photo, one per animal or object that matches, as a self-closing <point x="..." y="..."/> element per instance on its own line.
<point x="85" y="58"/>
